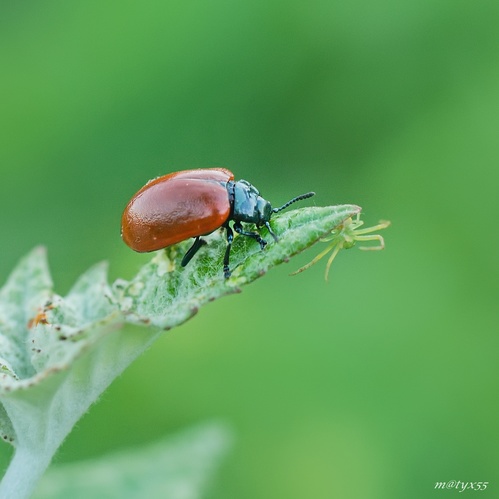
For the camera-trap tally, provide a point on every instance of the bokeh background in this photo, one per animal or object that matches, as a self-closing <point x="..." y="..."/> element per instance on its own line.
<point x="375" y="385"/>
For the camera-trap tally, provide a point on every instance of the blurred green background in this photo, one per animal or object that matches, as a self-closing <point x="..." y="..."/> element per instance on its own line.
<point x="375" y="385"/>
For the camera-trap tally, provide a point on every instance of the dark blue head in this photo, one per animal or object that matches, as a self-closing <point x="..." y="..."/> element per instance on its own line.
<point x="250" y="207"/>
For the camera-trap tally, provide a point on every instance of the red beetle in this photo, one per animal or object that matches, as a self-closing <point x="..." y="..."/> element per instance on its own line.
<point x="194" y="203"/>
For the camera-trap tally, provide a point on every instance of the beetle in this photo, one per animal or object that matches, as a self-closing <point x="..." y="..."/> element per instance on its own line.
<point x="194" y="203"/>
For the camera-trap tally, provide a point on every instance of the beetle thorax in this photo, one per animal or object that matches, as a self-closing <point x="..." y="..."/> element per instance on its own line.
<point x="249" y="206"/>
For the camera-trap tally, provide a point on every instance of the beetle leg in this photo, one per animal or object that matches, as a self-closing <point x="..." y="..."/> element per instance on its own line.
<point x="192" y="250"/>
<point x="239" y="229"/>
<point x="230" y="238"/>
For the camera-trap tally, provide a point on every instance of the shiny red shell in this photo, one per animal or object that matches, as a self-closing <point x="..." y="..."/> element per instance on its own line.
<point x="175" y="207"/>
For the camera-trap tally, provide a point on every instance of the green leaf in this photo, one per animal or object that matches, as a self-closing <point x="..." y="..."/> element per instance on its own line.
<point x="61" y="354"/>
<point x="176" y="467"/>
<point x="28" y="287"/>
<point x="58" y="354"/>
<point x="165" y="294"/>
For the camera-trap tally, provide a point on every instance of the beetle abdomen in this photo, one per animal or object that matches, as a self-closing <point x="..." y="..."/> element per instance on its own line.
<point x="169" y="210"/>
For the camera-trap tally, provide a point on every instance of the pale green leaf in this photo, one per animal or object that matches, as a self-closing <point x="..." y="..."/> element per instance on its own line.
<point x="178" y="467"/>
<point x="58" y="354"/>
<point x="165" y="294"/>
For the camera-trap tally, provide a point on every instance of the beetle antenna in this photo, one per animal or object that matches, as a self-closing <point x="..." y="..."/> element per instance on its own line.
<point x="297" y="198"/>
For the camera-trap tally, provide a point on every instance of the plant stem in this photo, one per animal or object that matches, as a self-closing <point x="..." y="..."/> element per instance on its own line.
<point x="25" y="469"/>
